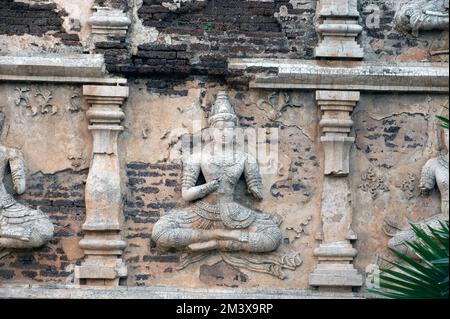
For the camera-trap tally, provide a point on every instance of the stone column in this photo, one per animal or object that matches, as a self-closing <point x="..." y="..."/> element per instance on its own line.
<point x="336" y="253"/>
<point x="107" y="22"/>
<point x="338" y="30"/>
<point x="102" y="242"/>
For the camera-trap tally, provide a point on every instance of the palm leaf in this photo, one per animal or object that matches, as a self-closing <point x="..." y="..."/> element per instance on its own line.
<point x="428" y="242"/>
<point x="444" y="121"/>
<point x="439" y="236"/>
<point x="420" y="268"/>
<point x="422" y="251"/>
<point x="442" y="261"/>
<point x="419" y="289"/>
<point x="407" y="277"/>
<point x="424" y="279"/>
<point x="414" y="273"/>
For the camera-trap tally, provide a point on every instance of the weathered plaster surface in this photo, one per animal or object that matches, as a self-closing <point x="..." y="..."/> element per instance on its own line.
<point x="395" y="140"/>
<point x="50" y="142"/>
<point x="175" y="66"/>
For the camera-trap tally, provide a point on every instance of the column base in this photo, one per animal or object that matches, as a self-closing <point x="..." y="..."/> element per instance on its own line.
<point x="335" y="268"/>
<point x="335" y="275"/>
<point x="332" y="49"/>
<point x="100" y="272"/>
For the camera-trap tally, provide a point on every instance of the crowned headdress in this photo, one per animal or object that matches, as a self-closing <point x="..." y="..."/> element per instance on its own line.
<point x="222" y="110"/>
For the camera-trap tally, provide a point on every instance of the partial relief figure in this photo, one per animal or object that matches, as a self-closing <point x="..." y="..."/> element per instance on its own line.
<point x="215" y="222"/>
<point x="20" y="226"/>
<point x="434" y="174"/>
<point x="422" y="15"/>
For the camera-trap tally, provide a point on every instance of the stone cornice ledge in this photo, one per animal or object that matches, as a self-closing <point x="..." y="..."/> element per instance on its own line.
<point x="76" y="68"/>
<point x="59" y="291"/>
<point x="343" y="75"/>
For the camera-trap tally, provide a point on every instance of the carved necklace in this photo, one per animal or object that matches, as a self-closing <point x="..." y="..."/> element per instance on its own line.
<point x="224" y="160"/>
<point x="227" y="167"/>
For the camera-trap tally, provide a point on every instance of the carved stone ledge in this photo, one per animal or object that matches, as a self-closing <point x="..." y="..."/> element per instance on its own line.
<point x="59" y="291"/>
<point x="102" y="242"/>
<point x="74" y="68"/>
<point x="291" y="74"/>
<point x="339" y="30"/>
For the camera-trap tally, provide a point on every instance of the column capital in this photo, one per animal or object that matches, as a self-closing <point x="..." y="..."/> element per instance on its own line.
<point x="105" y="95"/>
<point x="336" y="124"/>
<point x="323" y="96"/>
<point x="105" y="115"/>
<point x="105" y="91"/>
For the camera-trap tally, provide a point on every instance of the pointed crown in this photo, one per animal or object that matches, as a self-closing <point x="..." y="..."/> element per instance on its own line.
<point x="222" y="110"/>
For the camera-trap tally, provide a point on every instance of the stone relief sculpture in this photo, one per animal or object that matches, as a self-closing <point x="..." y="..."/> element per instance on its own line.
<point x="275" y="104"/>
<point x="434" y="173"/>
<point x="408" y="186"/>
<point x="300" y="229"/>
<point x="417" y="15"/>
<point x="41" y="104"/>
<point x="215" y="222"/>
<point x="44" y="103"/>
<point x="74" y="103"/>
<point x="373" y="183"/>
<point x="20" y="226"/>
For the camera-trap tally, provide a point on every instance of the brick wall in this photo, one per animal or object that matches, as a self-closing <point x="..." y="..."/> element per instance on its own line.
<point x="18" y="18"/>
<point x="222" y="29"/>
<point x="215" y="17"/>
<point x="61" y="196"/>
<point x="153" y="190"/>
<point x="386" y="43"/>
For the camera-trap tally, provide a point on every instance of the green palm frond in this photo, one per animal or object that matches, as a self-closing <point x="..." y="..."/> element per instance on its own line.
<point x="444" y="121"/>
<point x="427" y="278"/>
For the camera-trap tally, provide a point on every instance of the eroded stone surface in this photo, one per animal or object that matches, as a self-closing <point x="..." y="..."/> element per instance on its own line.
<point x="414" y="115"/>
<point x="175" y="57"/>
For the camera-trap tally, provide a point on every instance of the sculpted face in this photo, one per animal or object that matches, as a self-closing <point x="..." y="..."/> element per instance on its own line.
<point x="224" y="132"/>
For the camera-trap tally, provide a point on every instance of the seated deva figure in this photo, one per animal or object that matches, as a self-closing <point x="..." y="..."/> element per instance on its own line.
<point x="20" y="226"/>
<point x="215" y="222"/>
<point x="434" y="174"/>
